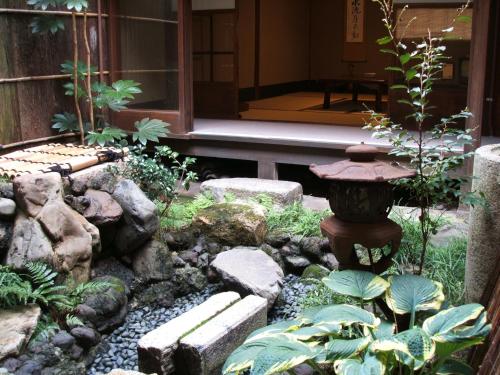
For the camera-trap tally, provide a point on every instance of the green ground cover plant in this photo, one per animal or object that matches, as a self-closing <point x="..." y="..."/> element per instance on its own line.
<point x="346" y="339"/>
<point x="295" y="219"/>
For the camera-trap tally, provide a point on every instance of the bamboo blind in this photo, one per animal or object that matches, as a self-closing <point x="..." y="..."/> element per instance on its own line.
<point x="433" y="20"/>
<point x="56" y="157"/>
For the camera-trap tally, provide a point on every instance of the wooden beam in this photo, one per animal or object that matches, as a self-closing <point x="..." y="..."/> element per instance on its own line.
<point x="478" y="71"/>
<point x="256" y="78"/>
<point x="185" y="66"/>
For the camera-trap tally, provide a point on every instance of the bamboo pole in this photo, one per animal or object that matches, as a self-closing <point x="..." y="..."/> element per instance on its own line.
<point x="75" y="79"/>
<point x="37" y="140"/>
<point x="43" y="78"/>
<point x="48" y="12"/>
<point x="89" y="74"/>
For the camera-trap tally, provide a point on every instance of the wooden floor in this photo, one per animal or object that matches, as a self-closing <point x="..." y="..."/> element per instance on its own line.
<point x="307" y="107"/>
<point x="290" y="134"/>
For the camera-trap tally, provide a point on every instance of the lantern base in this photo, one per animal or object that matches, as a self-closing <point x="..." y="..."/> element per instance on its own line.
<point x="344" y="235"/>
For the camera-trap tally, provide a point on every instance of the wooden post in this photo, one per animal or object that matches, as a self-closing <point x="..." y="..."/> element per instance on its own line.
<point x="185" y="66"/>
<point x="267" y="169"/>
<point x="478" y="73"/>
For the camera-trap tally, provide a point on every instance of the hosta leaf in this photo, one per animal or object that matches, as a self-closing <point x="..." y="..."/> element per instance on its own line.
<point x="419" y="343"/>
<point x="447" y="320"/>
<point x="384" y="330"/>
<point x="269" y="354"/>
<point x="279" y="327"/>
<point x="454" y="367"/>
<point x="370" y="366"/>
<point x="345" y="315"/>
<point x="277" y="360"/>
<point x="317" y="330"/>
<point x="343" y="349"/>
<point x="150" y="130"/>
<point x="65" y="122"/>
<point x="412" y="347"/>
<point x="411" y="293"/>
<point x="307" y="315"/>
<point x="359" y="284"/>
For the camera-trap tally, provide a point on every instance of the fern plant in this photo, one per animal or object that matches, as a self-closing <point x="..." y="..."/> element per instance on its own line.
<point x="37" y="284"/>
<point x="349" y="340"/>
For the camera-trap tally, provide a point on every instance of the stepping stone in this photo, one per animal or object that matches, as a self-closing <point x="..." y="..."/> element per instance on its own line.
<point x="249" y="271"/>
<point x="204" y="351"/>
<point x="281" y="192"/>
<point x="157" y="348"/>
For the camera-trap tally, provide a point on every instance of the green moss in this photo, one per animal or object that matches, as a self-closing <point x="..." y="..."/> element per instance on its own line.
<point x="295" y="219"/>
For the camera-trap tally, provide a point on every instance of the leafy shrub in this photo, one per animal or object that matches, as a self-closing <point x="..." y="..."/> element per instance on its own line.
<point x="351" y="340"/>
<point x="437" y="154"/>
<point x="159" y="181"/>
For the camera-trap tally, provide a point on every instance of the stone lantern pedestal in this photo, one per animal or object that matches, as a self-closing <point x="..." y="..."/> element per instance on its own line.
<point x="483" y="249"/>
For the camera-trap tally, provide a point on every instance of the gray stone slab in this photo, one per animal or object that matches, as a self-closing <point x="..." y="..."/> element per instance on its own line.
<point x="281" y="192"/>
<point x="157" y="348"/>
<point x="250" y="271"/>
<point x="204" y="351"/>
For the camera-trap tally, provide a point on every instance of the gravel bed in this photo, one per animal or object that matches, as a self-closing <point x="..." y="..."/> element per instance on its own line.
<point x="288" y="305"/>
<point x="119" y="349"/>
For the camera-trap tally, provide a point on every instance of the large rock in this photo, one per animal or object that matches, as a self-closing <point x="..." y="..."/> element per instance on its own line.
<point x="81" y="180"/>
<point x="157" y="348"/>
<point x="33" y="191"/>
<point x="153" y="262"/>
<point x="188" y="280"/>
<point x="29" y="243"/>
<point x="102" y="209"/>
<point x="6" y="228"/>
<point x="204" y="351"/>
<point x="113" y="267"/>
<point x="249" y="271"/>
<point x="18" y="324"/>
<point x="484" y="233"/>
<point x="282" y="193"/>
<point x="232" y="224"/>
<point x="73" y="239"/>
<point x="7" y="208"/>
<point x="139" y="216"/>
<point x="63" y="239"/>
<point x="109" y="305"/>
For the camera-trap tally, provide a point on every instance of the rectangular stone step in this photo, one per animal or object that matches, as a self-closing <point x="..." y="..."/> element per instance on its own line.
<point x="204" y="351"/>
<point x="157" y="348"/>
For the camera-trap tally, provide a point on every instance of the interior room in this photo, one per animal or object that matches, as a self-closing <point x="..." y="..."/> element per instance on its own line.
<point x="311" y="61"/>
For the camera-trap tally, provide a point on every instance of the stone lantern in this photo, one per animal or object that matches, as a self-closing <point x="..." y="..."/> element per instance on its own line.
<point x="361" y="197"/>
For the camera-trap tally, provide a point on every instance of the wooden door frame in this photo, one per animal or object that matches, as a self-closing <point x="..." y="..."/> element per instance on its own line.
<point x="181" y="120"/>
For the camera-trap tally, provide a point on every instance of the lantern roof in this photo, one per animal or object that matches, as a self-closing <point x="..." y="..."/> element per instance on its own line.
<point x="362" y="166"/>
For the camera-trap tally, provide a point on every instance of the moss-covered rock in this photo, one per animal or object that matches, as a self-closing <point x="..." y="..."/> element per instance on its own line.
<point x="232" y="224"/>
<point x="314" y="272"/>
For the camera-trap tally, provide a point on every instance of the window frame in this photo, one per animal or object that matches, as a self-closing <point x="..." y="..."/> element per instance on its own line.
<point x="180" y="120"/>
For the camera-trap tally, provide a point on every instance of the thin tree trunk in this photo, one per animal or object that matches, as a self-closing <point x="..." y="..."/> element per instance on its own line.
<point x="75" y="78"/>
<point x="89" y="73"/>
